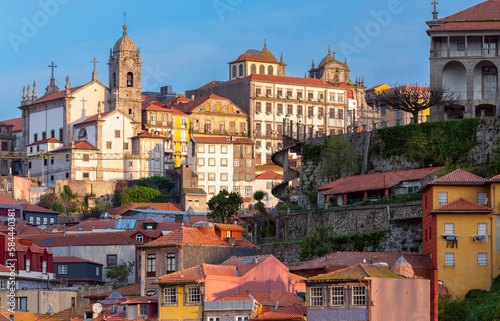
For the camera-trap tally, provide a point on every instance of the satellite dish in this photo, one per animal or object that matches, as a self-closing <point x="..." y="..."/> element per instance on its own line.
<point x="97" y="307"/>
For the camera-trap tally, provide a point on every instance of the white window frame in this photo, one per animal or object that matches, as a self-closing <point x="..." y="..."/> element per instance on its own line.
<point x="249" y="163"/>
<point x="236" y="163"/>
<point x="139" y="238"/>
<point x="242" y="318"/>
<point x="28" y="265"/>
<point x="223" y="162"/>
<point x="201" y="176"/>
<point x="62" y="269"/>
<point x="316" y="296"/>
<point x="442" y="198"/>
<point x="223" y="149"/>
<point x="358" y="295"/>
<point x="449" y="259"/>
<point x="248" y="191"/>
<point x="170" y="295"/>
<point x="143" y="310"/>
<point x="337" y="296"/>
<point x="213" y="318"/>
<point x="193" y="295"/>
<point x="211" y="161"/>
<point x="201" y="148"/>
<point x="201" y="161"/>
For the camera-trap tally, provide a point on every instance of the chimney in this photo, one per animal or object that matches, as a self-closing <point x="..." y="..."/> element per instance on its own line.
<point x="208" y="231"/>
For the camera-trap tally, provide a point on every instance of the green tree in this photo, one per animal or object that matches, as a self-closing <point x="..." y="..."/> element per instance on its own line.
<point x="139" y="194"/>
<point x="119" y="273"/>
<point x="258" y="196"/>
<point x="156" y="182"/>
<point x="338" y="158"/>
<point x="224" y="205"/>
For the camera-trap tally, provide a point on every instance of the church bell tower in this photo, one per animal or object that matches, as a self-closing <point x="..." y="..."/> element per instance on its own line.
<point x="125" y="77"/>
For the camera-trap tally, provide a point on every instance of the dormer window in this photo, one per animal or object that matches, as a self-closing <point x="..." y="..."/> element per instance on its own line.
<point x="139" y="238"/>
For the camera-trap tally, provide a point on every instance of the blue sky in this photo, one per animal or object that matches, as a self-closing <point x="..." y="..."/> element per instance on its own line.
<point x="188" y="43"/>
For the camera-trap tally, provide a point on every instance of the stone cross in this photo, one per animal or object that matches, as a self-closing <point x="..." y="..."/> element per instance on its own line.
<point x="52" y="66"/>
<point x="435" y="3"/>
<point x="95" y="62"/>
<point x="435" y="13"/>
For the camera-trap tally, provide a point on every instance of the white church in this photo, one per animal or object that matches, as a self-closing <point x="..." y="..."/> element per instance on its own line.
<point x="92" y="132"/>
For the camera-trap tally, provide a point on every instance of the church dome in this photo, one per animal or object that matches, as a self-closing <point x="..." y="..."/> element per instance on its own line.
<point x="268" y="54"/>
<point x="329" y="58"/>
<point x="125" y="43"/>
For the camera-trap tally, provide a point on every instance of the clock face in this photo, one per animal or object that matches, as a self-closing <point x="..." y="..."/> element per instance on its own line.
<point x="129" y="62"/>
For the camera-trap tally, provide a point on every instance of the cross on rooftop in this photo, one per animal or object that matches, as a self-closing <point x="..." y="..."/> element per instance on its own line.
<point x="52" y="66"/>
<point x="435" y="3"/>
<point x="95" y="62"/>
<point x="435" y="13"/>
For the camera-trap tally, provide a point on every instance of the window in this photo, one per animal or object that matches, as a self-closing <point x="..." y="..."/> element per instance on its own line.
<point x="45" y="220"/>
<point x="358" y="295"/>
<point x="85" y="175"/>
<point x="310" y="96"/>
<point x="211" y="176"/>
<point x="52" y="220"/>
<point x="449" y="259"/>
<point x="38" y="220"/>
<point x="337" y="293"/>
<point x="211" y="149"/>
<point x="248" y="177"/>
<point x="31" y="219"/>
<point x="117" y="132"/>
<point x="310" y="111"/>
<point x="183" y="122"/>
<point x="268" y="145"/>
<point x="211" y="162"/>
<point x="248" y="149"/>
<point x="108" y="145"/>
<point x="449" y="228"/>
<point x="442" y="198"/>
<point x="139" y="238"/>
<point x="236" y="177"/>
<point x="258" y="107"/>
<point x="9" y="187"/>
<point x="201" y="161"/>
<point x="262" y="70"/>
<point x="234" y="71"/>
<point x="151" y="270"/>
<point x="341" y="97"/>
<point x="201" y="148"/>
<point x="170" y="295"/>
<point x="482" y="229"/>
<point x="223" y="176"/>
<point x="280" y="108"/>
<point x="183" y="136"/>
<point x="237" y="189"/>
<point x="269" y="108"/>
<point x="171" y="266"/>
<point x="143" y="312"/>
<point x="249" y="163"/>
<point x="270" y="70"/>
<point x="60" y="134"/>
<point x="223" y="149"/>
<point x="241" y="70"/>
<point x="258" y="158"/>
<point x="289" y="110"/>
<point x="332" y="113"/>
<point x="249" y="191"/>
<point x="236" y="163"/>
<point x="482" y="199"/>
<point x="299" y="110"/>
<point x="316" y="297"/>
<point x="341" y="114"/>
<point x="110" y="260"/>
<point x="28" y="265"/>
<point x="4" y="146"/>
<point x="258" y="91"/>
<point x="44" y="135"/>
<point x="253" y="69"/>
<point x="201" y="176"/>
<point x="320" y="111"/>
<point x="269" y="185"/>
<point x="44" y="267"/>
<point x="242" y="318"/>
<point x="218" y="318"/>
<point x="3" y="284"/>
<point x="482" y="259"/>
<point x="211" y="189"/>
<point x="35" y="137"/>
<point x="193" y="295"/>
<point x="62" y="269"/>
<point x="125" y="146"/>
<point x="299" y="95"/>
<point x="97" y="271"/>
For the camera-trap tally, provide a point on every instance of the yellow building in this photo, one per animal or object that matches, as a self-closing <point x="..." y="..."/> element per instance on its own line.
<point x="459" y="230"/>
<point x="180" y="136"/>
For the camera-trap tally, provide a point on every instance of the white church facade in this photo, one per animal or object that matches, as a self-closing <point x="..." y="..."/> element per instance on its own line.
<point x="92" y="132"/>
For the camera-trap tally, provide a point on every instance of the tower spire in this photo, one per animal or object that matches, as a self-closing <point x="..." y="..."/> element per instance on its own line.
<point x="265" y="43"/>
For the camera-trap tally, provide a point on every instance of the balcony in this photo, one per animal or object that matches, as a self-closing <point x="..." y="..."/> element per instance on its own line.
<point x="470" y="53"/>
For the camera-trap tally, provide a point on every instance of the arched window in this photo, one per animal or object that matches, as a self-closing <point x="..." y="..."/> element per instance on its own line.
<point x="270" y="70"/>
<point x="253" y="69"/>
<point x="82" y="133"/>
<point x="114" y="79"/>
<point x="241" y="70"/>
<point x="262" y="70"/>
<point x="130" y="79"/>
<point x="234" y="71"/>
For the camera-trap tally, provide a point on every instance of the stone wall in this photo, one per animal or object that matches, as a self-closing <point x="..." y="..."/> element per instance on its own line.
<point x="196" y="254"/>
<point x="402" y="221"/>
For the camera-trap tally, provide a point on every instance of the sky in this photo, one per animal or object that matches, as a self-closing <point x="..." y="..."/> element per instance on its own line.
<point x="188" y="43"/>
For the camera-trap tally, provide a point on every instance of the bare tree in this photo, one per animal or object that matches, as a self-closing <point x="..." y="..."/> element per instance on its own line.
<point x="413" y="98"/>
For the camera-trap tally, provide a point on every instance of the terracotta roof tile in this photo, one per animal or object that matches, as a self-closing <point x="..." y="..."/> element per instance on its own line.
<point x="229" y="227"/>
<point x="278" y="79"/>
<point x="249" y="57"/>
<point x="375" y="181"/>
<point x="345" y="259"/>
<point x="43" y="141"/>
<point x="292" y="312"/>
<point x="243" y="141"/>
<point x="33" y="208"/>
<point x="462" y="206"/>
<point x="64" y="315"/>
<point x="495" y="179"/>
<point x="197" y="273"/>
<point x="16" y="122"/>
<point x="78" y="145"/>
<point x="467" y="26"/>
<point x="211" y="140"/>
<point x="176" y="111"/>
<point x="356" y="272"/>
<point x="159" y="206"/>
<point x="189" y="106"/>
<point x="484" y="11"/>
<point x="270" y="175"/>
<point x="18" y="315"/>
<point x="6" y="200"/>
<point x="457" y="177"/>
<point x="175" y="101"/>
<point x="93" y="118"/>
<point x="266" y="298"/>
<point x="56" y="95"/>
<point x="72" y="259"/>
<point x="129" y="291"/>
<point x="143" y="300"/>
<point x="185" y="235"/>
<point x="154" y="105"/>
<point x="85" y="239"/>
<point x="92" y="224"/>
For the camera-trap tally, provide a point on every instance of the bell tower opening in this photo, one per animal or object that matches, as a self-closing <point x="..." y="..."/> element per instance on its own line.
<point x="130" y="79"/>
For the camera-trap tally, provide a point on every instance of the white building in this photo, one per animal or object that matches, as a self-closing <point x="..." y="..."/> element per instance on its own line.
<point x="265" y="182"/>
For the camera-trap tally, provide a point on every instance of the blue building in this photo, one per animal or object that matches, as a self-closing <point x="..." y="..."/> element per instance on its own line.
<point x="74" y="271"/>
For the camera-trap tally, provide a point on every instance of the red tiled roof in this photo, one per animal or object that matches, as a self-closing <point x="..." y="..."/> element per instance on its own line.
<point x="211" y="140"/>
<point x="129" y="291"/>
<point x="93" y="118"/>
<point x="176" y="111"/>
<point x="229" y="227"/>
<point x="270" y="175"/>
<point x="18" y="315"/>
<point x="16" y="122"/>
<point x="212" y="84"/>
<point x="292" y="312"/>
<point x="154" y="105"/>
<point x="278" y="79"/>
<point x="243" y="141"/>
<point x="85" y="239"/>
<point x="148" y="99"/>
<point x="375" y="181"/>
<point x="43" y="141"/>
<point x="159" y="206"/>
<point x="295" y="278"/>
<point x="78" y="145"/>
<point x="462" y="206"/>
<point x="185" y="235"/>
<point x="350" y="93"/>
<point x="90" y="225"/>
<point x="357" y="272"/>
<point x="457" y="177"/>
<point x="143" y="300"/>
<point x="495" y="179"/>
<point x="72" y="259"/>
<point x="33" y="208"/>
<point x="266" y="298"/>
<point x="484" y="11"/>
<point x="198" y="273"/>
<point x="189" y="106"/>
<point x="6" y="200"/>
<point x="468" y="26"/>
<point x="56" y="95"/>
<point x="345" y="259"/>
<point x="249" y="57"/>
<point x="3" y="268"/>
<point x="176" y="101"/>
